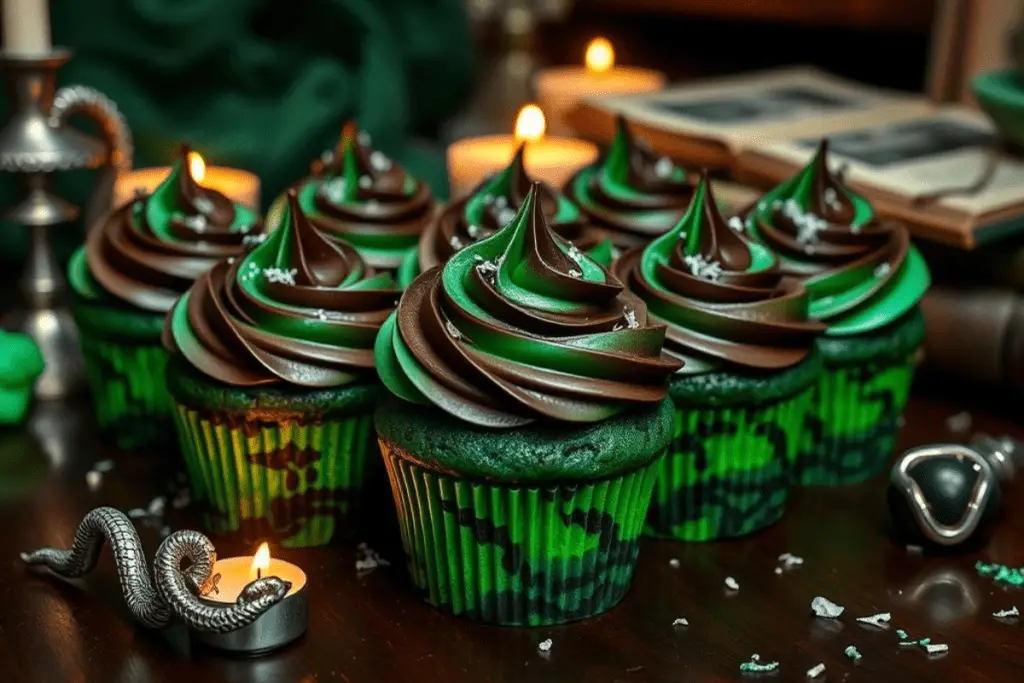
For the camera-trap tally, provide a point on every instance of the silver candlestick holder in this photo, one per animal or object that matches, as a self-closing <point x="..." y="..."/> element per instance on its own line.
<point x="35" y="143"/>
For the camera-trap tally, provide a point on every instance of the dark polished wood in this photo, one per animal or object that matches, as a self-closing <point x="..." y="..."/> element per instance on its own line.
<point x="374" y="629"/>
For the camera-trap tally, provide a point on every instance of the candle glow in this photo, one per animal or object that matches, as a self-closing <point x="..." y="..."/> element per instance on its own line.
<point x="600" y="55"/>
<point x="197" y="167"/>
<point x="260" y="562"/>
<point x="530" y="124"/>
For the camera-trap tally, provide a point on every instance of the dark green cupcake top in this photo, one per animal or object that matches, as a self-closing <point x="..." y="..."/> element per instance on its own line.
<point x="862" y="273"/>
<point x="631" y="190"/>
<point x="358" y="194"/>
<point x="725" y="302"/>
<point x="150" y="251"/>
<point x="299" y="310"/>
<point x="492" y="206"/>
<point x="523" y="326"/>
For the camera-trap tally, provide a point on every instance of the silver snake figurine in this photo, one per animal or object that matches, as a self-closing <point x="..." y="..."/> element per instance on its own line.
<point x="173" y="591"/>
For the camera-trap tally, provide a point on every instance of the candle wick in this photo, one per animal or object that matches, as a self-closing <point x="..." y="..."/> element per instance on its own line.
<point x="259" y="573"/>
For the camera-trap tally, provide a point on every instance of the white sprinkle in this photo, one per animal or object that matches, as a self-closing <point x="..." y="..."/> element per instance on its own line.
<point x="156" y="506"/>
<point x="333" y="190"/>
<point x="790" y="560"/>
<point x="731" y="584"/>
<point x="488" y="199"/>
<point x="575" y="273"/>
<point x="823" y="607"/>
<point x="915" y="549"/>
<point x="630" y="316"/>
<point x="367" y="559"/>
<point x="702" y="268"/>
<point x="327" y="157"/>
<point x="1011" y="613"/>
<point x="181" y="499"/>
<point x="93" y="480"/>
<point x="680" y="622"/>
<point x="137" y="513"/>
<point x="363" y="138"/>
<point x="231" y="260"/>
<point x="936" y="648"/>
<point x="883" y="269"/>
<point x="959" y="423"/>
<point x="321" y="314"/>
<point x="456" y="243"/>
<point x="280" y="275"/>
<point x="545" y="645"/>
<point x="474" y="231"/>
<point x="778" y="570"/>
<point x="365" y="182"/>
<point x="663" y="167"/>
<point x="103" y="466"/>
<point x="380" y="162"/>
<point x="487" y="268"/>
<point x="252" y="240"/>
<point x="682" y="237"/>
<point x="506" y="216"/>
<point x="575" y="254"/>
<point x="831" y="198"/>
<point x="501" y="201"/>
<point x="816" y="671"/>
<point x="197" y="222"/>
<point x="736" y="223"/>
<point x="203" y="205"/>
<point x="452" y="330"/>
<point x="674" y="563"/>
<point x="879" y="620"/>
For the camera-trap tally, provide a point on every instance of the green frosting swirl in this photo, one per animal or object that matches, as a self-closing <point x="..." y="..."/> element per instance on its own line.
<point x="299" y="310"/>
<point x="862" y="273"/>
<point x="522" y="326"/>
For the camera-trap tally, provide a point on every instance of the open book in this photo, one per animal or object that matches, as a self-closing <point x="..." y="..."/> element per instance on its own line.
<point x="936" y="168"/>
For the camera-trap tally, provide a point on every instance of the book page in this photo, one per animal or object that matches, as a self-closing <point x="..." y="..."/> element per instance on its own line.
<point x="760" y="107"/>
<point x="916" y="157"/>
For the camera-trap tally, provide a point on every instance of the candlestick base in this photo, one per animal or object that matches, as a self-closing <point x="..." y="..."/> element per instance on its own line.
<point x="282" y="624"/>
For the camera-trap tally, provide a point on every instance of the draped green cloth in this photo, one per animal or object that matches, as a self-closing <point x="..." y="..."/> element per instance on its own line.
<point x="265" y="85"/>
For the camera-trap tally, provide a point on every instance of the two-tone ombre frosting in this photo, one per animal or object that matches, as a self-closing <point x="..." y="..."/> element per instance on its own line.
<point x="523" y="326"/>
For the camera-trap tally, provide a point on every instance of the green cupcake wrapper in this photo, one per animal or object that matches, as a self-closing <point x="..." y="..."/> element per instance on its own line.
<point x="851" y="430"/>
<point x="727" y="470"/>
<point x="296" y="481"/>
<point x="519" y="555"/>
<point x="128" y="388"/>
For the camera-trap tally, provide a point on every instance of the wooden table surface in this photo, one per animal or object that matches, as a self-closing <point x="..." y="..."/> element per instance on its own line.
<point x="372" y="628"/>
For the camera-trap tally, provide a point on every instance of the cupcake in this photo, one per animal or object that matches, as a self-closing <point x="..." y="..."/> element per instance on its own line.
<point x="273" y="383"/>
<point x="528" y="420"/>
<point x="742" y="331"/>
<point x="134" y="265"/>
<point x="358" y="195"/>
<point x="631" y="192"/>
<point x="865" y="279"/>
<point x="490" y="207"/>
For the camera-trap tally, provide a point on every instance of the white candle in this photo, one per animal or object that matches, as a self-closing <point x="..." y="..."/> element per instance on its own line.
<point x="238" y="572"/>
<point x="235" y="184"/>
<point x="549" y="159"/>
<point x="560" y="89"/>
<point x="26" y="28"/>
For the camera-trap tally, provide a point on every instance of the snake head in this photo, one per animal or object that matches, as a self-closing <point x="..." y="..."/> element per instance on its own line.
<point x="268" y="588"/>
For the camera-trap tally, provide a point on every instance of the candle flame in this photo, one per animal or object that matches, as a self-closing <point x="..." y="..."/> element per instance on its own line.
<point x="600" y="55"/>
<point x="261" y="561"/>
<point x="197" y="167"/>
<point x="530" y="124"/>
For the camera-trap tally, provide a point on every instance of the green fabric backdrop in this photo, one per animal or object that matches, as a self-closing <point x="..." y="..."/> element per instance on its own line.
<point x="265" y="85"/>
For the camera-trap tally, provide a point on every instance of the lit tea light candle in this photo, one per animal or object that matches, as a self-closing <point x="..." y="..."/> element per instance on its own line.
<point x="560" y="89"/>
<point x="548" y="158"/>
<point x="235" y="184"/>
<point x="281" y="624"/>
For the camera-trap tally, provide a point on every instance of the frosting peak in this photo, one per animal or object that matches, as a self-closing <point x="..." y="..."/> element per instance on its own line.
<point x="862" y="273"/>
<point x="632" y="190"/>
<point x="358" y="194"/>
<point x="522" y="326"/>
<point x="148" y="252"/>
<point x="300" y="309"/>
<point x="722" y="296"/>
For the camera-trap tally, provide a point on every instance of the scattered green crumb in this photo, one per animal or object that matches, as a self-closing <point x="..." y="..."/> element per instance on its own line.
<point x="1000" y="573"/>
<point x="924" y="642"/>
<point x="755" y="665"/>
<point x="853" y="653"/>
<point x="901" y="634"/>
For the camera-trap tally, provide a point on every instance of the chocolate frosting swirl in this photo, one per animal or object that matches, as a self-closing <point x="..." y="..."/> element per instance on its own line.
<point x="299" y="310"/>
<point x="493" y="205"/>
<point x="148" y="252"/>
<point x="725" y="302"/>
<point x="359" y="195"/>
<point x="523" y="326"/>
<point x="861" y="272"/>
<point x="632" y="191"/>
